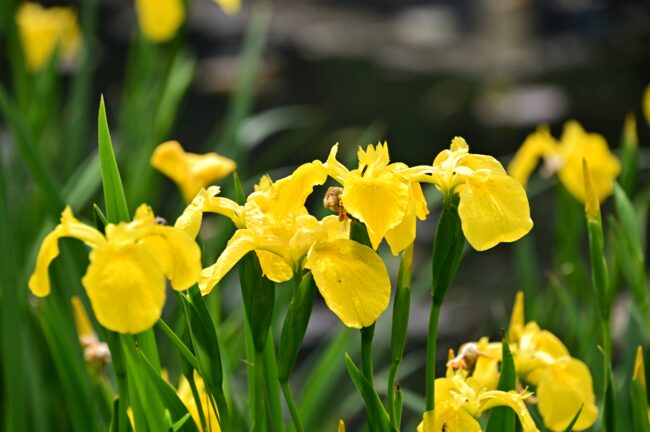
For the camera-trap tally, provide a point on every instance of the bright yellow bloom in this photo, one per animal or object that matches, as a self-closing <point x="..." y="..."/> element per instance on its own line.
<point x="385" y="197"/>
<point x="159" y="20"/>
<point x="42" y="30"/>
<point x="564" y="384"/>
<point x="184" y="393"/>
<point x="592" y="204"/>
<point x="190" y="171"/>
<point x="351" y="277"/>
<point x="229" y="6"/>
<point x="125" y="280"/>
<point x="565" y="158"/>
<point x="460" y="401"/>
<point x="493" y="207"/>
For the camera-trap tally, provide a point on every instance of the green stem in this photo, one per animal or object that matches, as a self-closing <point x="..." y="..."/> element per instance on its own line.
<point x="431" y="356"/>
<point x="260" y="414"/>
<point x="392" y="379"/>
<point x="367" y="334"/>
<point x="178" y="343"/>
<point x="291" y="404"/>
<point x="272" y="385"/>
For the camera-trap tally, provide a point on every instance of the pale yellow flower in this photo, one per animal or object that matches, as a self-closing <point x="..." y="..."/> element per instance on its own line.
<point x="125" y="280"/>
<point x="190" y="171"/>
<point x="160" y="20"/>
<point x="43" y="30"/>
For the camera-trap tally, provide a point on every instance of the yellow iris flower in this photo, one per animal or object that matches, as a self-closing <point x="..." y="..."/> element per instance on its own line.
<point x="460" y="401"/>
<point x="565" y="158"/>
<point x="384" y="196"/>
<point x="184" y="393"/>
<point x="275" y="224"/>
<point x="160" y="20"/>
<point x="493" y="207"/>
<point x="229" y="6"/>
<point x="564" y="383"/>
<point x="190" y="171"/>
<point x="42" y="30"/>
<point x="125" y="280"/>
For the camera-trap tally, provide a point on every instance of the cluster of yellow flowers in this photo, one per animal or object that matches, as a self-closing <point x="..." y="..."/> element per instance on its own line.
<point x="46" y="30"/>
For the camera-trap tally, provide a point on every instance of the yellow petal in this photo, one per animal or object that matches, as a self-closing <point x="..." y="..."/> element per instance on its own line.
<point x="291" y="192"/>
<point x="576" y="145"/>
<point x="190" y="171"/>
<point x="352" y="279"/>
<point x="380" y="201"/>
<point x="39" y="282"/>
<point x="493" y="209"/>
<point x="562" y="391"/>
<point x="186" y="396"/>
<point x="160" y="19"/>
<point x="190" y="220"/>
<point x="341" y="426"/>
<point x="229" y="6"/>
<point x="178" y="255"/>
<point x="639" y="367"/>
<point x="400" y="237"/>
<point x="448" y="418"/>
<point x="126" y="287"/>
<point x="510" y="399"/>
<point x="336" y="169"/>
<point x="242" y="242"/>
<point x="538" y="144"/>
<point x="81" y="320"/>
<point x="274" y="267"/>
<point x="517" y="318"/>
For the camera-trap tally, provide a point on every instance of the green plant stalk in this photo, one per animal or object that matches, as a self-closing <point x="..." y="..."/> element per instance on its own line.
<point x="367" y="334"/>
<point x="600" y="280"/>
<point x="260" y="406"/>
<point x="178" y="343"/>
<point x="291" y="404"/>
<point x="401" y="306"/>
<point x="447" y="253"/>
<point x="272" y="385"/>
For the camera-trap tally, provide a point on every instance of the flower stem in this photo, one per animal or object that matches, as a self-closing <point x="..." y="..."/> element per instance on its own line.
<point x="178" y="343"/>
<point x="367" y="334"/>
<point x="293" y="409"/>
<point x="431" y="356"/>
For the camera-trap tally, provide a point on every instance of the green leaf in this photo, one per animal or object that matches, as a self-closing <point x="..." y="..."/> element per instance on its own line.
<point x="114" y="426"/>
<point x="114" y="197"/>
<point x="258" y="293"/>
<point x="503" y="419"/>
<point x="639" y="402"/>
<point x="377" y="415"/>
<point x="447" y="249"/>
<point x="575" y="419"/>
<point x="609" y="407"/>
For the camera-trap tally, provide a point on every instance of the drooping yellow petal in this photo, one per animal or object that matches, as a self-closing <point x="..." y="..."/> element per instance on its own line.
<point x="229" y="6"/>
<point x="517" y="318"/>
<point x="380" y="201"/>
<point x="448" y="418"/>
<point x="69" y="226"/>
<point x="562" y="391"/>
<point x="42" y="30"/>
<point x="403" y="235"/>
<point x="493" y="209"/>
<point x="186" y="396"/>
<point x="576" y="145"/>
<point x="510" y="399"/>
<point x="537" y="145"/>
<point x="274" y="267"/>
<point x="160" y="19"/>
<point x="190" y="171"/>
<point x="242" y="242"/>
<point x="178" y="255"/>
<point x="126" y="287"/>
<point x="639" y="367"/>
<point x="352" y="279"/>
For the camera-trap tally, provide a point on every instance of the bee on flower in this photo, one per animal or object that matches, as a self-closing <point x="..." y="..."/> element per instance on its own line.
<point x="564" y="159"/>
<point x="125" y="281"/>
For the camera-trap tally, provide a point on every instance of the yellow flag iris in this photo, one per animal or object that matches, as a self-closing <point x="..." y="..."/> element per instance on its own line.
<point x="493" y="207"/>
<point x="564" y="384"/>
<point x="384" y="196"/>
<point x="43" y="30"/>
<point x="275" y="224"/>
<point x="460" y="401"/>
<point x="565" y="158"/>
<point x="160" y="20"/>
<point x="125" y="280"/>
<point x="190" y="171"/>
<point x="184" y="393"/>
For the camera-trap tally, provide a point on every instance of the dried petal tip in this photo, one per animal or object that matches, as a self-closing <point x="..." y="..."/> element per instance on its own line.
<point x="639" y="367"/>
<point x="592" y="205"/>
<point x="341" y="426"/>
<point x="630" y="137"/>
